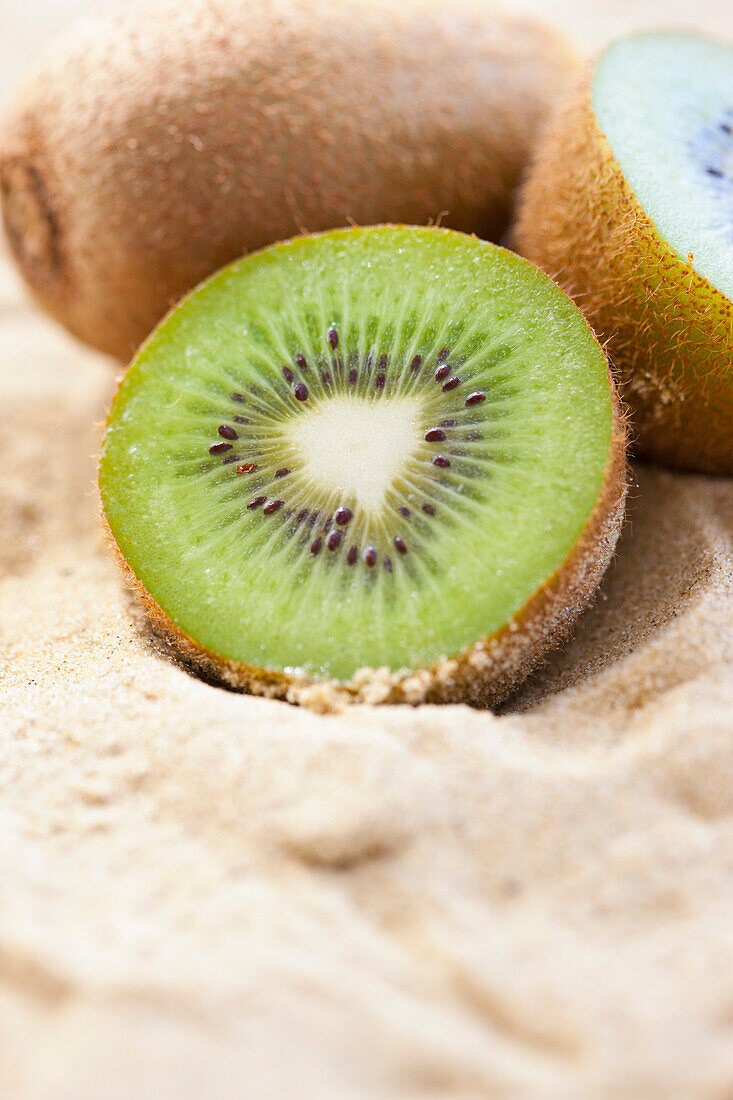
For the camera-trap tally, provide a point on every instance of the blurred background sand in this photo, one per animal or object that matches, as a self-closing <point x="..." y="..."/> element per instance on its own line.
<point x="206" y="895"/>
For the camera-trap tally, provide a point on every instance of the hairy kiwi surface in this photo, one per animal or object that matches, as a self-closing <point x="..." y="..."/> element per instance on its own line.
<point x="629" y="204"/>
<point x="381" y="464"/>
<point x="153" y="145"/>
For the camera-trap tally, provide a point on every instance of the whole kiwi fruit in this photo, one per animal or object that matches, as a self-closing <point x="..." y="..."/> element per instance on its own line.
<point x="629" y="204"/>
<point x="155" y="144"/>
<point x="379" y="464"/>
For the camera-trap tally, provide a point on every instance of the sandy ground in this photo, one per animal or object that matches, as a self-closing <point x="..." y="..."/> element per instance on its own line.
<point x="207" y="895"/>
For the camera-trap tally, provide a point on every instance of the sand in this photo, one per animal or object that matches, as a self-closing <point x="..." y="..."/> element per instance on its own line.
<point x="208" y="895"/>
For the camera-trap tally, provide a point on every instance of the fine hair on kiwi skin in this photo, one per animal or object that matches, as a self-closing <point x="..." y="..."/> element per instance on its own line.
<point x="321" y="570"/>
<point x="155" y="143"/>
<point x="590" y="214"/>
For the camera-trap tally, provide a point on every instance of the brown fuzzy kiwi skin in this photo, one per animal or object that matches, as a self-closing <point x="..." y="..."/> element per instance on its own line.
<point x="156" y="144"/>
<point x="483" y="674"/>
<point x="668" y="331"/>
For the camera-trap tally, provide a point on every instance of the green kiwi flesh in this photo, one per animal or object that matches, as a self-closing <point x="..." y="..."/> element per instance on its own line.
<point x="368" y="448"/>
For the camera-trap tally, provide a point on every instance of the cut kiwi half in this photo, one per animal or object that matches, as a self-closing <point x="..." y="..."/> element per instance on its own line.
<point x="379" y="464"/>
<point x="629" y="204"/>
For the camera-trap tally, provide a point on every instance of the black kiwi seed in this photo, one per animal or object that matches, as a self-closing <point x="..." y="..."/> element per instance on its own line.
<point x="342" y="516"/>
<point x="370" y="556"/>
<point x="300" y="361"/>
<point x="282" y="472"/>
<point x="441" y="460"/>
<point x="400" y="544"/>
<point x="272" y="506"/>
<point x="434" y="435"/>
<point x="416" y="363"/>
<point x="387" y="565"/>
<point x="380" y="380"/>
<point x="316" y="546"/>
<point x="404" y="511"/>
<point x="443" y="354"/>
<point x="429" y="509"/>
<point x="219" y="448"/>
<point x="353" y="375"/>
<point x="334" y="539"/>
<point x="300" y="391"/>
<point x="352" y="555"/>
<point x="451" y="384"/>
<point x="333" y="337"/>
<point x="256" y="501"/>
<point x="238" y="397"/>
<point x="288" y="374"/>
<point x="247" y="468"/>
<point x="475" y="398"/>
<point x="441" y="372"/>
<point x="226" y="432"/>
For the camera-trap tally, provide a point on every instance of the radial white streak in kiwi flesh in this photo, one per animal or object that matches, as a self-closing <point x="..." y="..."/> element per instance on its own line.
<point x="357" y="446"/>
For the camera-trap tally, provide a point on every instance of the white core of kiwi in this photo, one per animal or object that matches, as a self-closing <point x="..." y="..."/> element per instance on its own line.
<point x="355" y="446"/>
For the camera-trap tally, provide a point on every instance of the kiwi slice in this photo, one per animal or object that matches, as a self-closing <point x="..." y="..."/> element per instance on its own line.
<point x="630" y="205"/>
<point x="373" y="464"/>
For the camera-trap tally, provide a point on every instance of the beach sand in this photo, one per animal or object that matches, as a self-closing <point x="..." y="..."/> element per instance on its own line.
<point x="205" y="895"/>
